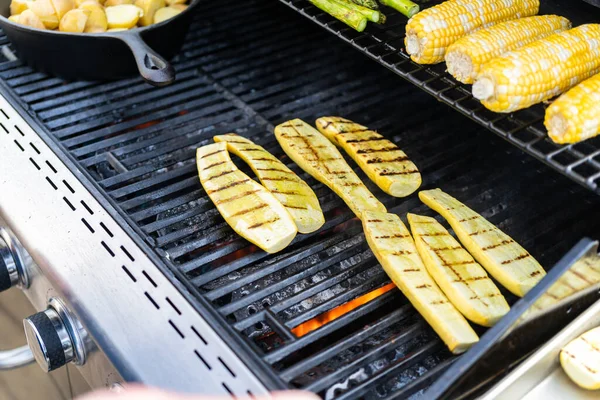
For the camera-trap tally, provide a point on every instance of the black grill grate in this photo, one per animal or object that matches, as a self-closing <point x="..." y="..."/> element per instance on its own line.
<point x="524" y="129"/>
<point x="245" y="69"/>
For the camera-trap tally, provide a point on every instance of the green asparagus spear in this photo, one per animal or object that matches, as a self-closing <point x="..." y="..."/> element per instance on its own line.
<point x="347" y="15"/>
<point x="372" y="4"/>
<point x="371" y="15"/>
<point x="406" y="7"/>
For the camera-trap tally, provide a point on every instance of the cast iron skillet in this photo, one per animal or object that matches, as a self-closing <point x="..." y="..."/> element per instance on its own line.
<point x="101" y="56"/>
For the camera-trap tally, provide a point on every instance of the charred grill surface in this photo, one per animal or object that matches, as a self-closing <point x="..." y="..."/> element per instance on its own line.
<point x="245" y="70"/>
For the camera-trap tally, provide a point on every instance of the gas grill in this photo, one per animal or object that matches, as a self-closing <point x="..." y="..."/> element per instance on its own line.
<point x="106" y="215"/>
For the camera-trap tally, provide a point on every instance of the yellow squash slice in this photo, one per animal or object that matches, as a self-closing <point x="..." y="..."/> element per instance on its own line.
<point x="581" y="360"/>
<point x="503" y="258"/>
<point x="250" y="209"/>
<point x="395" y="250"/>
<point x="465" y="282"/>
<point x="383" y="162"/>
<point x="287" y="187"/>
<point x="321" y="159"/>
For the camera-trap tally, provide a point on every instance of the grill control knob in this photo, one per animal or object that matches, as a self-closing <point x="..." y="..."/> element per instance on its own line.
<point x="54" y="337"/>
<point x="12" y="272"/>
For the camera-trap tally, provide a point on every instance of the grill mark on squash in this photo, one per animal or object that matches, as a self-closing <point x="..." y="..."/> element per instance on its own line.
<point x="276" y="170"/>
<point x="288" y="193"/>
<point x="236" y="197"/>
<point x="233" y="184"/>
<point x="282" y="179"/>
<point x="383" y="150"/>
<point x="519" y="257"/>
<point x="212" y="154"/>
<point x="296" y="207"/>
<point x="451" y="265"/>
<point x="354" y="131"/>
<point x="258" y="207"/>
<point x="221" y="174"/>
<point x="236" y="141"/>
<point x="493" y="246"/>
<point x="593" y="371"/>
<point x="395" y="236"/>
<point x="214" y="165"/>
<point x="264" y="159"/>
<point x="366" y="140"/>
<point x="391" y="173"/>
<point x="470" y="218"/>
<point x="580" y="276"/>
<point x="381" y="160"/>
<point x="480" y="232"/>
<point x="402" y="252"/>
<point x="270" y="221"/>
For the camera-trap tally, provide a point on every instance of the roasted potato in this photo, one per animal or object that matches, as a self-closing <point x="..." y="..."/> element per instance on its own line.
<point x="165" y="13"/>
<point x="97" y="16"/>
<point x="18" y="6"/>
<point x="123" y="16"/>
<point x="74" y="21"/>
<point x="150" y="7"/>
<point x="112" y="3"/>
<point x="62" y="7"/>
<point x="96" y="22"/>
<point x="29" y="18"/>
<point x="46" y="13"/>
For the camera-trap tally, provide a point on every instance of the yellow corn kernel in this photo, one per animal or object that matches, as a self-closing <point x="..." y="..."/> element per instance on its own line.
<point x="575" y="116"/>
<point x="466" y="56"/>
<point x="430" y="32"/>
<point x="539" y="70"/>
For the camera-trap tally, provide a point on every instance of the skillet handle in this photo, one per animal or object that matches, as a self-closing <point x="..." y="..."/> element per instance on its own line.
<point x="154" y="69"/>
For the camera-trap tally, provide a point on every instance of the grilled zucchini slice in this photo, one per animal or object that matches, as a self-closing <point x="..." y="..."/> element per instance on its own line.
<point x="395" y="250"/>
<point x="287" y="187"/>
<point x="502" y="257"/>
<point x="250" y="209"/>
<point x="581" y="360"/>
<point x="465" y="282"/>
<point x="319" y="158"/>
<point x="383" y="162"/>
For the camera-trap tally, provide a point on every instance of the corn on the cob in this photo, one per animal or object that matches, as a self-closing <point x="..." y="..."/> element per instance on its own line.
<point x="465" y="282"/>
<point x="250" y="209"/>
<point x="467" y="55"/>
<point x="391" y="243"/>
<point x="539" y="70"/>
<point x="575" y="116"/>
<point x="430" y="32"/>
<point x="503" y="258"/>
<point x="287" y="187"/>
<point x="581" y="360"/>
<point x="321" y="159"/>
<point x="383" y="162"/>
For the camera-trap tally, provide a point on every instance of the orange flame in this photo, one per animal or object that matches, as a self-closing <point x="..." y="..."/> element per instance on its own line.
<point x="320" y="320"/>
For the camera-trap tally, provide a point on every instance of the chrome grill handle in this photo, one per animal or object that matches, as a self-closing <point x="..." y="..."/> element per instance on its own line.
<point x="16" y="358"/>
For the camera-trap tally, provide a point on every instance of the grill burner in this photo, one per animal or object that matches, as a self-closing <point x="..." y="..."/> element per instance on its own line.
<point x="243" y="70"/>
